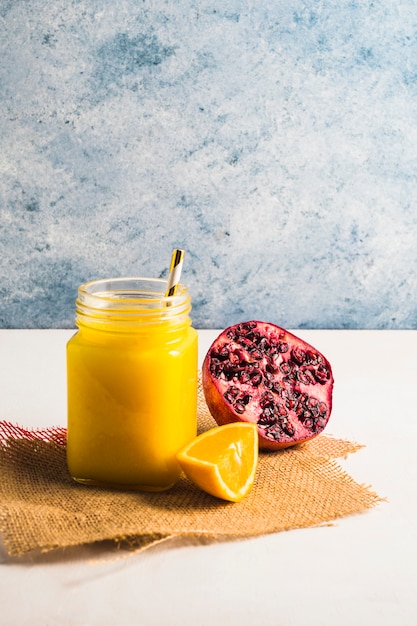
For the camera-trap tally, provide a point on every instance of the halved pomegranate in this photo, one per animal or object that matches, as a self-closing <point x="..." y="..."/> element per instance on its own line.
<point x="258" y="372"/>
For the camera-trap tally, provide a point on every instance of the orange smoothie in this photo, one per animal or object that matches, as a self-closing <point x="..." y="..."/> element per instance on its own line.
<point x="132" y="399"/>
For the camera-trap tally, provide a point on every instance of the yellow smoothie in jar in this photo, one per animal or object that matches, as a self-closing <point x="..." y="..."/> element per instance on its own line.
<point x="132" y="393"/>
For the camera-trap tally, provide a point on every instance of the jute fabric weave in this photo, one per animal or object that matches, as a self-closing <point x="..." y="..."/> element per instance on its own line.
<point x="41" y="507"/>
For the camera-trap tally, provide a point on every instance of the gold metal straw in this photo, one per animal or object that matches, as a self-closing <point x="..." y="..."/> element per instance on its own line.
<point x="175" y="272"/>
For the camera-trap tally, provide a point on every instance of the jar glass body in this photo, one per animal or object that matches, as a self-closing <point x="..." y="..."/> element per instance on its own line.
<point x="132" y="384"/>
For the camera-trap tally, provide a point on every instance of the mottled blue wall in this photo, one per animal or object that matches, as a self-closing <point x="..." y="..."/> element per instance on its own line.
<point x="275" y="141"/>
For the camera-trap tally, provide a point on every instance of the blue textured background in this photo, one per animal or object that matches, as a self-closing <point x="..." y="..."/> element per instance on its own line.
<point x="275" y="141"/>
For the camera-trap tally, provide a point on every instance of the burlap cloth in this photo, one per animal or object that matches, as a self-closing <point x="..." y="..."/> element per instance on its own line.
<point x="41" y="507"/>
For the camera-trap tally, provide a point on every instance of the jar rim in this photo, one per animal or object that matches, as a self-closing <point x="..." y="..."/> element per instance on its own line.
<point x="129" y="290"/>
<point x="128" y="299"/>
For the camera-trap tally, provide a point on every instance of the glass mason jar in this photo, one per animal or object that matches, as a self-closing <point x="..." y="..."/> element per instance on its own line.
<point x="132" y="384"/>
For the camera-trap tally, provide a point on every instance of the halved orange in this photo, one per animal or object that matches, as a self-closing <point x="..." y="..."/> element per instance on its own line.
<point x="223" y="460"/>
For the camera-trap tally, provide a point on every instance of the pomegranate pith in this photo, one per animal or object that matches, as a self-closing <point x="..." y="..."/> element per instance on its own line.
<point x="261" y="373"/>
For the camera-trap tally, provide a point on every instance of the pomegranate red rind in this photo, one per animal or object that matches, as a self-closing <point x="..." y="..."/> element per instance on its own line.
<point x="261" y="373"/>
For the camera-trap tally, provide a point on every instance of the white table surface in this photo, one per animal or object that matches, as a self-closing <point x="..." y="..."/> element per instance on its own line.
<point x="360" y="571"/>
